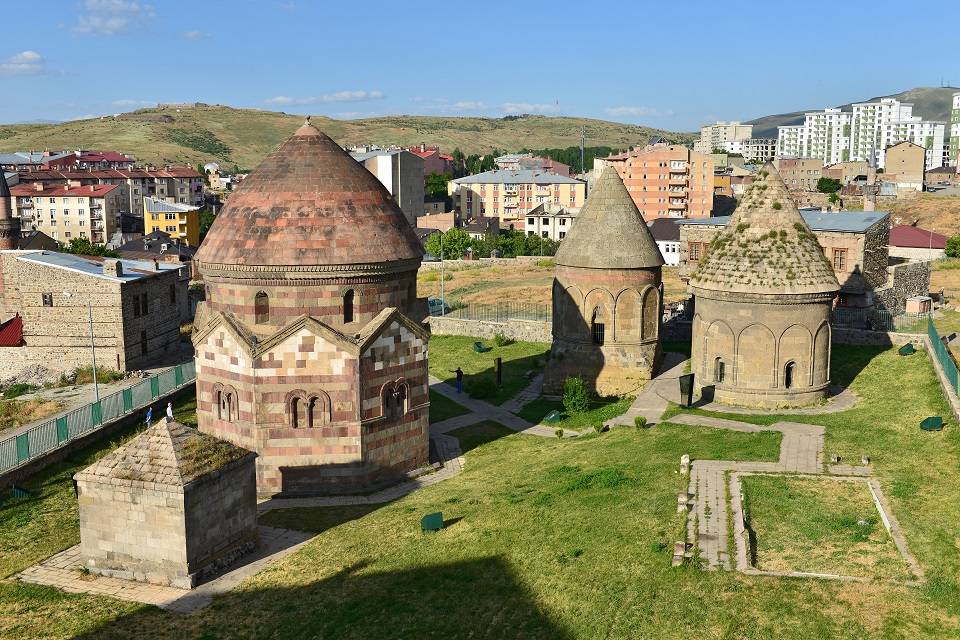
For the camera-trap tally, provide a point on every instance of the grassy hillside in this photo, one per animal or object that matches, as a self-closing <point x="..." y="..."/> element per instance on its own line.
<point x="245" y="136"/>
<point x="930" y="103"/>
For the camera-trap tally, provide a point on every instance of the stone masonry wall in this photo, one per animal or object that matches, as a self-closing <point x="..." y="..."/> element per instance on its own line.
<point x="524" y="330"/>
<point x="135" y="532"/>
<point x="906" y="280"/>
<point x="519" y="261"/>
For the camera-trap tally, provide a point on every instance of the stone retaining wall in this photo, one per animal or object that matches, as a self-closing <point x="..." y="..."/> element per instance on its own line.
<point x="844" y="335"/>
<point x="519" y="261"/>
<point x="525" y="330"/>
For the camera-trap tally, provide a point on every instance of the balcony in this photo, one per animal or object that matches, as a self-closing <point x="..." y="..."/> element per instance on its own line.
<point x="25" y="203"/>
<point x="678" y="181"/>
<point x="677" y="205"/>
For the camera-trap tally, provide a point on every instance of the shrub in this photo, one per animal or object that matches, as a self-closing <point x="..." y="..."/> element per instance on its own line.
<point x="501" y="340"/>
<point x="640" y="422"/>
<point x="576" y="398"/>
<point x="544" y="263"/>
<point x="558" y="433"/>
<point x="952" y="248"/>
<point x="18" y="389"/>
<point x="482" y="388"/>
<point x="777" y="206"/>
<point x="599" y="427"/>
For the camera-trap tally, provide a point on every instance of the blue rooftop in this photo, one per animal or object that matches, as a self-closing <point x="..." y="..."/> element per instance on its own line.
<point x="848" y="221"/>
<point x="133" y="270"/>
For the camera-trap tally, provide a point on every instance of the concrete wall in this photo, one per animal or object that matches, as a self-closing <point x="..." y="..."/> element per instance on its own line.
<point x="524" y="330"/>
<point x="916" y="254"/>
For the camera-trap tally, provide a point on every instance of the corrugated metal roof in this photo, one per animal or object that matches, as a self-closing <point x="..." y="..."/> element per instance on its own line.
<point x="132" y="269"/>
<point x="153" y="205"/>
<point x="508" y="176"/>
<point x="848" y="221"/>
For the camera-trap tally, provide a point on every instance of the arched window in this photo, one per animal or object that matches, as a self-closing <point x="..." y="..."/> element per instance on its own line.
<point x="400" y="400"/>
<point x="295" y="408"/>
<point x="788" y="375"/>
<point x="597" y="326"/>
<point x="229" y="406"/>
<point x="718" y="370"/>
<point x="218" y="398"/>
<point x="348" y="306"/>
<point x="261" y="307"/>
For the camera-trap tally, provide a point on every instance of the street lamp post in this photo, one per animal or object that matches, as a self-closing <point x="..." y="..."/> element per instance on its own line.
<point x="93" y="346"/>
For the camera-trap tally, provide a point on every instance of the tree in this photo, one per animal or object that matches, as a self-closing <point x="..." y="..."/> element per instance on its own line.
<point x="455" y="243"/>
<point x="206" y="219"/>
<point x="83" y="247"/>
<point x="828" y="185"/>
<point x="435" y="184"/>
<point x="952" y="248"/>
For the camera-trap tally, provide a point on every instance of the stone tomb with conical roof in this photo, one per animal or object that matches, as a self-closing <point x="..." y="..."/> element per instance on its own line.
<point x="606" y="296"/>
<point x="167" y="507"/>
<point x="310" y="345"/>
<point x="764" y="292"/>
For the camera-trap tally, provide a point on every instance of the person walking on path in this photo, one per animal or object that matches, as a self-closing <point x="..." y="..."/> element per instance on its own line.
<point x="169" y="412"/>
<point x="149" y="416"/>
<point x="459" y="373"/>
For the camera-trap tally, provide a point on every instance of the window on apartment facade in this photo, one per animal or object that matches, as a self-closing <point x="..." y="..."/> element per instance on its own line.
<point x="563" y="234"/>
<point x="563" y="222"/>
<point x="47" y="299"/>
<point x="694" y="248"/>
<point x="67" y="235"/>
<point x="840" y="260"/>
<point x="169" y="216"/>
<point x="530" y="221"/>
<point x="545" y="220"/>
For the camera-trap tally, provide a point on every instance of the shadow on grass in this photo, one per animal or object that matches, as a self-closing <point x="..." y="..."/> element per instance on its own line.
<point x="479" y="434"/>
<point x="600" y="410"/>
<point x="316" y="520"/>
<point x="847" y="361"/>
<point x="434" y="600"/>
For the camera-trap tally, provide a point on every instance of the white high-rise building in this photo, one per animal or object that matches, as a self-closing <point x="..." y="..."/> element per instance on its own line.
<point x="862" y="134"/>
<point x="955" y="132"/>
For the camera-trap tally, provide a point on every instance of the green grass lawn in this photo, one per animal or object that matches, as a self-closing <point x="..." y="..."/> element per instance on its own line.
<point x="449" y="352"/>
<point x="442" y="408"/>
<point x="601" y="410"/>
<point x="554" y="538"/>
<point x="821" y="526"/>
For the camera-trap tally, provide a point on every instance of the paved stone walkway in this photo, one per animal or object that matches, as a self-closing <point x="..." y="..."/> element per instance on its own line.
<point x="530" y="393"/>
<point x="63" y="572"/>
<point x="709" y="493"/>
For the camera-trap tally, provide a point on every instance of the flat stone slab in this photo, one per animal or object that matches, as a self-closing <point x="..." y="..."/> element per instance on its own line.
<point x="63" y="571"/>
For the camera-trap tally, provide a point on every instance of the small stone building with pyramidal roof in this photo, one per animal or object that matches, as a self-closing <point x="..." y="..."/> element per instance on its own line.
<point x="763" y="298"/>
<point x="168" y="507"/>
<point x="607" y="296"/>
<point x="310" y="346"/>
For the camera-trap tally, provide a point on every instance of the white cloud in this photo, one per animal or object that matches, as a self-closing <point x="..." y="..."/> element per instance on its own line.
<point x="127" y="102"/>
<point x="635" y="112"/>
<point x="193" y="35"/>
<point x="529" y="107"/>
<point x="110" y="17"/>
<point x="339" y="96"/>
<point x="353" y="115"/>
<point x="442" y="105"/>
<point x="25" y="63"/>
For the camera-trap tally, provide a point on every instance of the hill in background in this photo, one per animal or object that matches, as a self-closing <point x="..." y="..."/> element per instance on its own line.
<point x="245" y="136"/>
<point x="930" y="103"/>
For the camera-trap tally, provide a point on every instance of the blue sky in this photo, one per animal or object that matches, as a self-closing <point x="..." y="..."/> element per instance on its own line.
<point x="670" y="64"/>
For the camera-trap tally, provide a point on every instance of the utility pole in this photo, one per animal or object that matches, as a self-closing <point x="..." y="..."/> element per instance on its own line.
<point x="583" y="134"/>
<point x="442" y="299"/>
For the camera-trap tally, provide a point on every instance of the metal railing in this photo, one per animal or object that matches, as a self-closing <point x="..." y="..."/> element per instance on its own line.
<point x="942" y="353"/>
<point x="59" y="431"/>
<point x="503" y="311"/>
<point x="879" y="320"/>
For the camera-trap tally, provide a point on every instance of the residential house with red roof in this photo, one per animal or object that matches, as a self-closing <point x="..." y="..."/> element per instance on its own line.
<point x="915" y="244"/>
<point x="68" y="211"/>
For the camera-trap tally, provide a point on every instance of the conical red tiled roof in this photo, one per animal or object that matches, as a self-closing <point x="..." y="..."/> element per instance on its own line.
<point x="309" y="203"/>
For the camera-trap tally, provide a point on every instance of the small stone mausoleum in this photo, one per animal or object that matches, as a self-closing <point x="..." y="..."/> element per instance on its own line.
<point x="763" y="298"/>
<point x="310" y="347"/>
<point x="607" y="296"/>
<point x="167" y="507"/>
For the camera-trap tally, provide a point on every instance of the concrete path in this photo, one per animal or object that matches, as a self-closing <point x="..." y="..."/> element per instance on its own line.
<point x="63" y="571"/>
<point x="530" y="393"/>
<point x="650" y="402"/>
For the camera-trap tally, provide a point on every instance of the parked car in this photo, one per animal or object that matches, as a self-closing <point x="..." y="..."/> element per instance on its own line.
<point x="437" y="306"/>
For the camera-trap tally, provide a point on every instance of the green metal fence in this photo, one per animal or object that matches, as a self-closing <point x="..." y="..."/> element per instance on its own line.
<point x="943" y="355"/>
<point x="503" y="311"/>
<point x="879" y="320"/>
<point x="58" y="431"/>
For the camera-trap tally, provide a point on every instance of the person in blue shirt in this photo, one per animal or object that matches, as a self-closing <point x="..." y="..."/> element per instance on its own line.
<point x="149" y="416"/>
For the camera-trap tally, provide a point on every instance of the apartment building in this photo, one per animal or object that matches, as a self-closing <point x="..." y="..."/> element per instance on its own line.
<point x="550" y="221"/>
<point x="179" y="221"/>
<point x="757" y="150"/>
<point x="183" y="185"/>
<point x="666" y="180"/>
<point x="955" y="132"/>
<point x="800" y="174"/>
<point x="69" y="211"/>
<point x="717" y="135"/>
<point x="905" y="162"/>
<point x="527" y="161"/>
<point x="511" y="195"/>
<point x="863" y="134"/>
<point x="401" y="172"/>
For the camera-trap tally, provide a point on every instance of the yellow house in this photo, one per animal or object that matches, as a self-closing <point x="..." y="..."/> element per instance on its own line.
<point x="180" y="221"/>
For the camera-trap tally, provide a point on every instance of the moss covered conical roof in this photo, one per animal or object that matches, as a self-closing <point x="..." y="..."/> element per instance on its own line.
<point x="766" y="248"/>
<point x="610" y="232"/>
